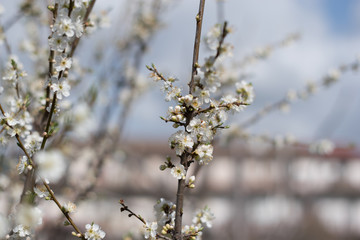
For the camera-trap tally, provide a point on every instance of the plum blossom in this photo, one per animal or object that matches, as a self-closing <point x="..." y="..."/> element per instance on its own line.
<point x="58" y="43"/>
<point x="51" y="165"/>
<point x="22" y="231"/>
<point x="204" y="153"/>
<point x="33" y="142"/>
<point x="165" y="212"/>
<point x="150" y="230"/>
<point x="179" y="171"/>
<point x="204" y="216"/>
<point x="64" y="25"/>
<point x="28" y="216"/>
<point x="94" y="232"/>
<point x="181" y="141"/>
<point x="62" y="88"/>
<point x="245" y="91"/>
<point x="62" y="62"/>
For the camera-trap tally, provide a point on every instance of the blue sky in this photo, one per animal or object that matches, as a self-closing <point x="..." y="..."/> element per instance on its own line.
<point x="340" y="15"/>
<point x="330" y="37"/>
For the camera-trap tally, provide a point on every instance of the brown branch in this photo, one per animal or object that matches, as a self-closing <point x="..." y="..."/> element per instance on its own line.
<point x="66" y="214"/>
<point x="50" y="73"/>
<point x="189" y="115"/>
<point x="199" y="19"/>
<point x="221" y="42"/>
<point x="46" y="132"/>
<point x="131" y="213"/>
<point x="86" y="17"/>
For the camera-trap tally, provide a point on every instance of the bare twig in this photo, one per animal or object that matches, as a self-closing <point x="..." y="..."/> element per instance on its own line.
<point x="189" y="116"/>
<point x="199" y="18"/>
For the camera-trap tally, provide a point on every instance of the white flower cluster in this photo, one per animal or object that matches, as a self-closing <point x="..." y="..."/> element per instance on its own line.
<point x="50" y="165"/>
<point x="213" y="37"/>
<point x="165" y="216"/>
<point x="94" y="232"/>
<point x="16" y="121"/>
<point x="165" y="212"/>
<point x="202" y="111"/>
<point x="204" y="216"/>
<point x="150" y="230"/>
<point x="27" y="219"/>
<point x="14" y="71"/>
<point x="67" y="27"/>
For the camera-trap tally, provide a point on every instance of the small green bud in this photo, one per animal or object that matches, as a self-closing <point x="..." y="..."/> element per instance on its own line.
<point x="51" y="8"/>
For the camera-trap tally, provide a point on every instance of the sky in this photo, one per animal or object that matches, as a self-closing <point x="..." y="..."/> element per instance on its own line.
<point x="330" y="36"/>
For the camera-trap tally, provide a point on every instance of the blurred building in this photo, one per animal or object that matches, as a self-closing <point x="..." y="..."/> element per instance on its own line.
<point x="255" y="192"/>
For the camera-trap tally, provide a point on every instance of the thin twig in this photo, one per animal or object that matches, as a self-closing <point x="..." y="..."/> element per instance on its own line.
<point x="62" y="210"/>
<point x="86" y="17"/>
<point x="199" y="19"/>
<point x="21" y="145"/>
<point x="189" y="115"/>
<point x="46" y="132"/>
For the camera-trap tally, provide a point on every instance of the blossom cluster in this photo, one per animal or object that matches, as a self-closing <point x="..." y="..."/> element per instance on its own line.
<point x="94" y="232"/>
<point x="165" y="220"/>
<point x="24" y="121"/>
<point x="200" y="113"/>
<point x="68" y="25"/>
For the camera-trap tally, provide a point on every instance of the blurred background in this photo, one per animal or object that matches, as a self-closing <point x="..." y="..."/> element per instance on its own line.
<point x="302" y="59"/>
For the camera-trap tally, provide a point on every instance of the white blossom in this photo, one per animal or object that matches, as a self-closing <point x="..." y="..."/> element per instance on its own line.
<point x="193" y="230"/>
<point x="165" y="212"/>
<point x="181" y="141"/>
<point x="94" y="232"/>
<point x="199" y="128"/>
<point x="41" y="193"/>
<point x="22" y="231"/>
<point x="28" y="216"/>
<point x="232" y="103"/>
<point x="16" y="104"/>
<point x="51" y="165"/>
<point x="78" y="27"/>
<point x="172" y="93"/>
<point x="204" y="216"/>
<point x="9" y="118"/>
<point x="245" y="91"/>
<point x="58" y="43"/>
<point x="64" y="25"/>
<point x="204" y="153"/>
<point x="70" y="207"/>
<point x="178" y="171"/>
<point x="22" y="164"/>
<point x="150" y="230"/>
<point x="9" y="75"/>
<point x="212" y="37"/>
<point x="62" y="62"/>
<point x="62" y="88"/>
<point x="33" y="142"/>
